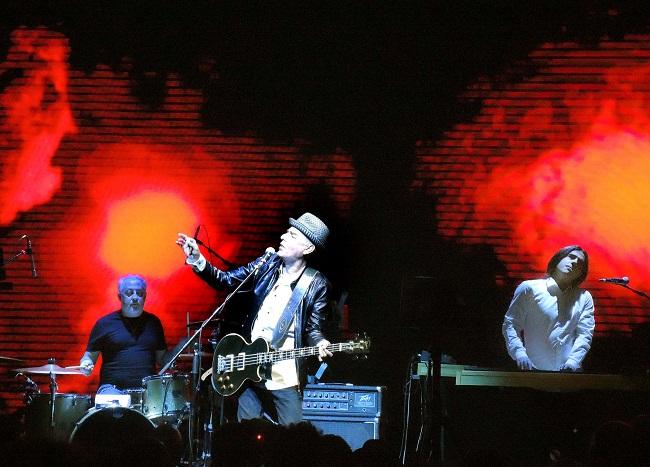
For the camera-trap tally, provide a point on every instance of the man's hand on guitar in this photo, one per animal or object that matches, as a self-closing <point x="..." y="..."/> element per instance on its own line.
<point x="322" y="350"/>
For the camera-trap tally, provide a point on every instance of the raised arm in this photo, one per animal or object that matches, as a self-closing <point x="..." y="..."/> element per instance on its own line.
<point x="212" y="275"/>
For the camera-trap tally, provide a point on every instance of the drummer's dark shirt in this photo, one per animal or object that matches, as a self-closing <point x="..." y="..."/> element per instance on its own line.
<point x="128" y="347"/>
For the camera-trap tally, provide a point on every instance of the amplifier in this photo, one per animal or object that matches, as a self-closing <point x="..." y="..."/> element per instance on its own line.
<point x="342" y="399"/>
<point x="351" y="412"/>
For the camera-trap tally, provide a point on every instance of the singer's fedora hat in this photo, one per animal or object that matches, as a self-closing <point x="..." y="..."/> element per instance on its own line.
<point x="312" y="227"/>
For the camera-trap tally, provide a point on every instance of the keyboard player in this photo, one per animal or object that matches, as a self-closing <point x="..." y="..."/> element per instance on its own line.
<point x="550" y="322"/>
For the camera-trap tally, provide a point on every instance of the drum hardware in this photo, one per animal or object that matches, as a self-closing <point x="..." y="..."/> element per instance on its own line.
<point x="52" y="369"/>
<point x="173" y="398"/>
<point x="195" y="340"/>
<point x="30" y="388"/>
<point x="191" y="355"/>
<point x="9" y="359"/>
<point x="196" y="324"/>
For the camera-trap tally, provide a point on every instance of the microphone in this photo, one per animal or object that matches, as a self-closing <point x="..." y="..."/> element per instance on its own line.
<point x="198" y="242"/>
<point x="270" y="251"/>
<point x="28" y="381"/>
<point x="30" y="252"/>
<point x="196" y="234"/>
<point x="616" y="280"/>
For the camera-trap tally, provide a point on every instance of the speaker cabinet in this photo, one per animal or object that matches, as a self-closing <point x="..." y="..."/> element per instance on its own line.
<point x="354" y="430"/>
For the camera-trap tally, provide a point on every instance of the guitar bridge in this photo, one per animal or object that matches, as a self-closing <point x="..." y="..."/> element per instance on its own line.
<point x="224" y="363"/>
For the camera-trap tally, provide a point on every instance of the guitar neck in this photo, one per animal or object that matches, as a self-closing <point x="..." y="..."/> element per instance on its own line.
<point x="280" y="355"/>
<point x="235" y="355"/>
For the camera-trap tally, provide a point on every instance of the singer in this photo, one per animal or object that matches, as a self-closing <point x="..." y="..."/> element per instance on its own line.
<point x="550" y="322"/>
<point x="285" y="290"/>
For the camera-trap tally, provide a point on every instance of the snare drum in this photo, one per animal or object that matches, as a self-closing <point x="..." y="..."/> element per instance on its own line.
<point x="68" y="409"/>
<point x="136" y="398"/>
<point x="111" y="427"/>
<point x="166" y="398"/>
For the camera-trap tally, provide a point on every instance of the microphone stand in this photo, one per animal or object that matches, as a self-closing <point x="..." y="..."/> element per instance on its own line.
<point x="14" y="257"/>
<point x="196" y="361"/>
<point x="27" y="251"/>
<point x="22" y="252"/>
<point x="210" y="318"/>
<point x="638" y="292"/>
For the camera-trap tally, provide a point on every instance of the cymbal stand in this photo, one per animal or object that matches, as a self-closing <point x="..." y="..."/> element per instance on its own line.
<point x="197" y="334"/>
<point x="194" y="417"/>
<point x="53" y="387"/>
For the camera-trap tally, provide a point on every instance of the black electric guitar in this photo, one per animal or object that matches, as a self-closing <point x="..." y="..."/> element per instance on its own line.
<point x="236" y="360"/>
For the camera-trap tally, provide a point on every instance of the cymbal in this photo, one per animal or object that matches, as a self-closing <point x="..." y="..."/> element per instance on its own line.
<point x="196" y="324"/>
<point x="51" y="368"/>
<point x="191" y="355"/>
<point x="9" y="359"/>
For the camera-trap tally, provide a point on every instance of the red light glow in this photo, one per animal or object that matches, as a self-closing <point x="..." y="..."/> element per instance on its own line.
<point x="545" y="166"/>
<point x="37" y="115"/>
<point x="595" y="194"/>
<point x="133" y="200"/>
<point x="139" y="230"/>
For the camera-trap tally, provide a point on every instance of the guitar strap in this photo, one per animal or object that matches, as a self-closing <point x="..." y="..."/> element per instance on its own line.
<point x="289" y="312"/>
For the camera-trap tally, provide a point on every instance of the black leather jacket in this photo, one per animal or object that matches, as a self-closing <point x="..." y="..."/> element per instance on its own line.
<point x="313" y="307"/>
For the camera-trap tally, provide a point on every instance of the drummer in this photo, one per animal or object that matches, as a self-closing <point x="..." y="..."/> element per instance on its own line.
<point x="131" y="341"/>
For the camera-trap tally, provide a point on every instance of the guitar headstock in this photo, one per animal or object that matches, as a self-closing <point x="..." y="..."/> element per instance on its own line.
<point x="359" y="345"/>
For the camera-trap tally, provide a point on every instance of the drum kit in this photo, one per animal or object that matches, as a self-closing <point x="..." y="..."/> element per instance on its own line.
<point x="165" y="400"/>
<point x="52" y="415"/>
<point x="164" y="403"/>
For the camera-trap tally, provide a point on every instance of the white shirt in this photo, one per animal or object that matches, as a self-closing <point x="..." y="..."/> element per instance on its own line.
<point x="557" y="326"/>
<point x="283" y="373"/>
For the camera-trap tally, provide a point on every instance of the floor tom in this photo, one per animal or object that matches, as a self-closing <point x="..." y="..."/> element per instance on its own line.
<point x="166" y="398"/>
<point x="68" y="410"/>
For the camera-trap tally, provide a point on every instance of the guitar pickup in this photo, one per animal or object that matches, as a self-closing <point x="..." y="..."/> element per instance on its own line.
<point x="241" y="358"/>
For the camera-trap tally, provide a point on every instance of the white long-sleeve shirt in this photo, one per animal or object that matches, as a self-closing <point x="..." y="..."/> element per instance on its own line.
<point x="549" y="325"/>
<point x="283" y="373"/>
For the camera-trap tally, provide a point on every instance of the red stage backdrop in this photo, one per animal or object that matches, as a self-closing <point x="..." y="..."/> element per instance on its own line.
<point x="560" y="157"/>
<point x="102" y="185"/>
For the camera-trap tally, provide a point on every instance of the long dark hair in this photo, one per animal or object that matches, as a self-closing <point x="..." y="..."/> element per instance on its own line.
<point x="561" y="253"/>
